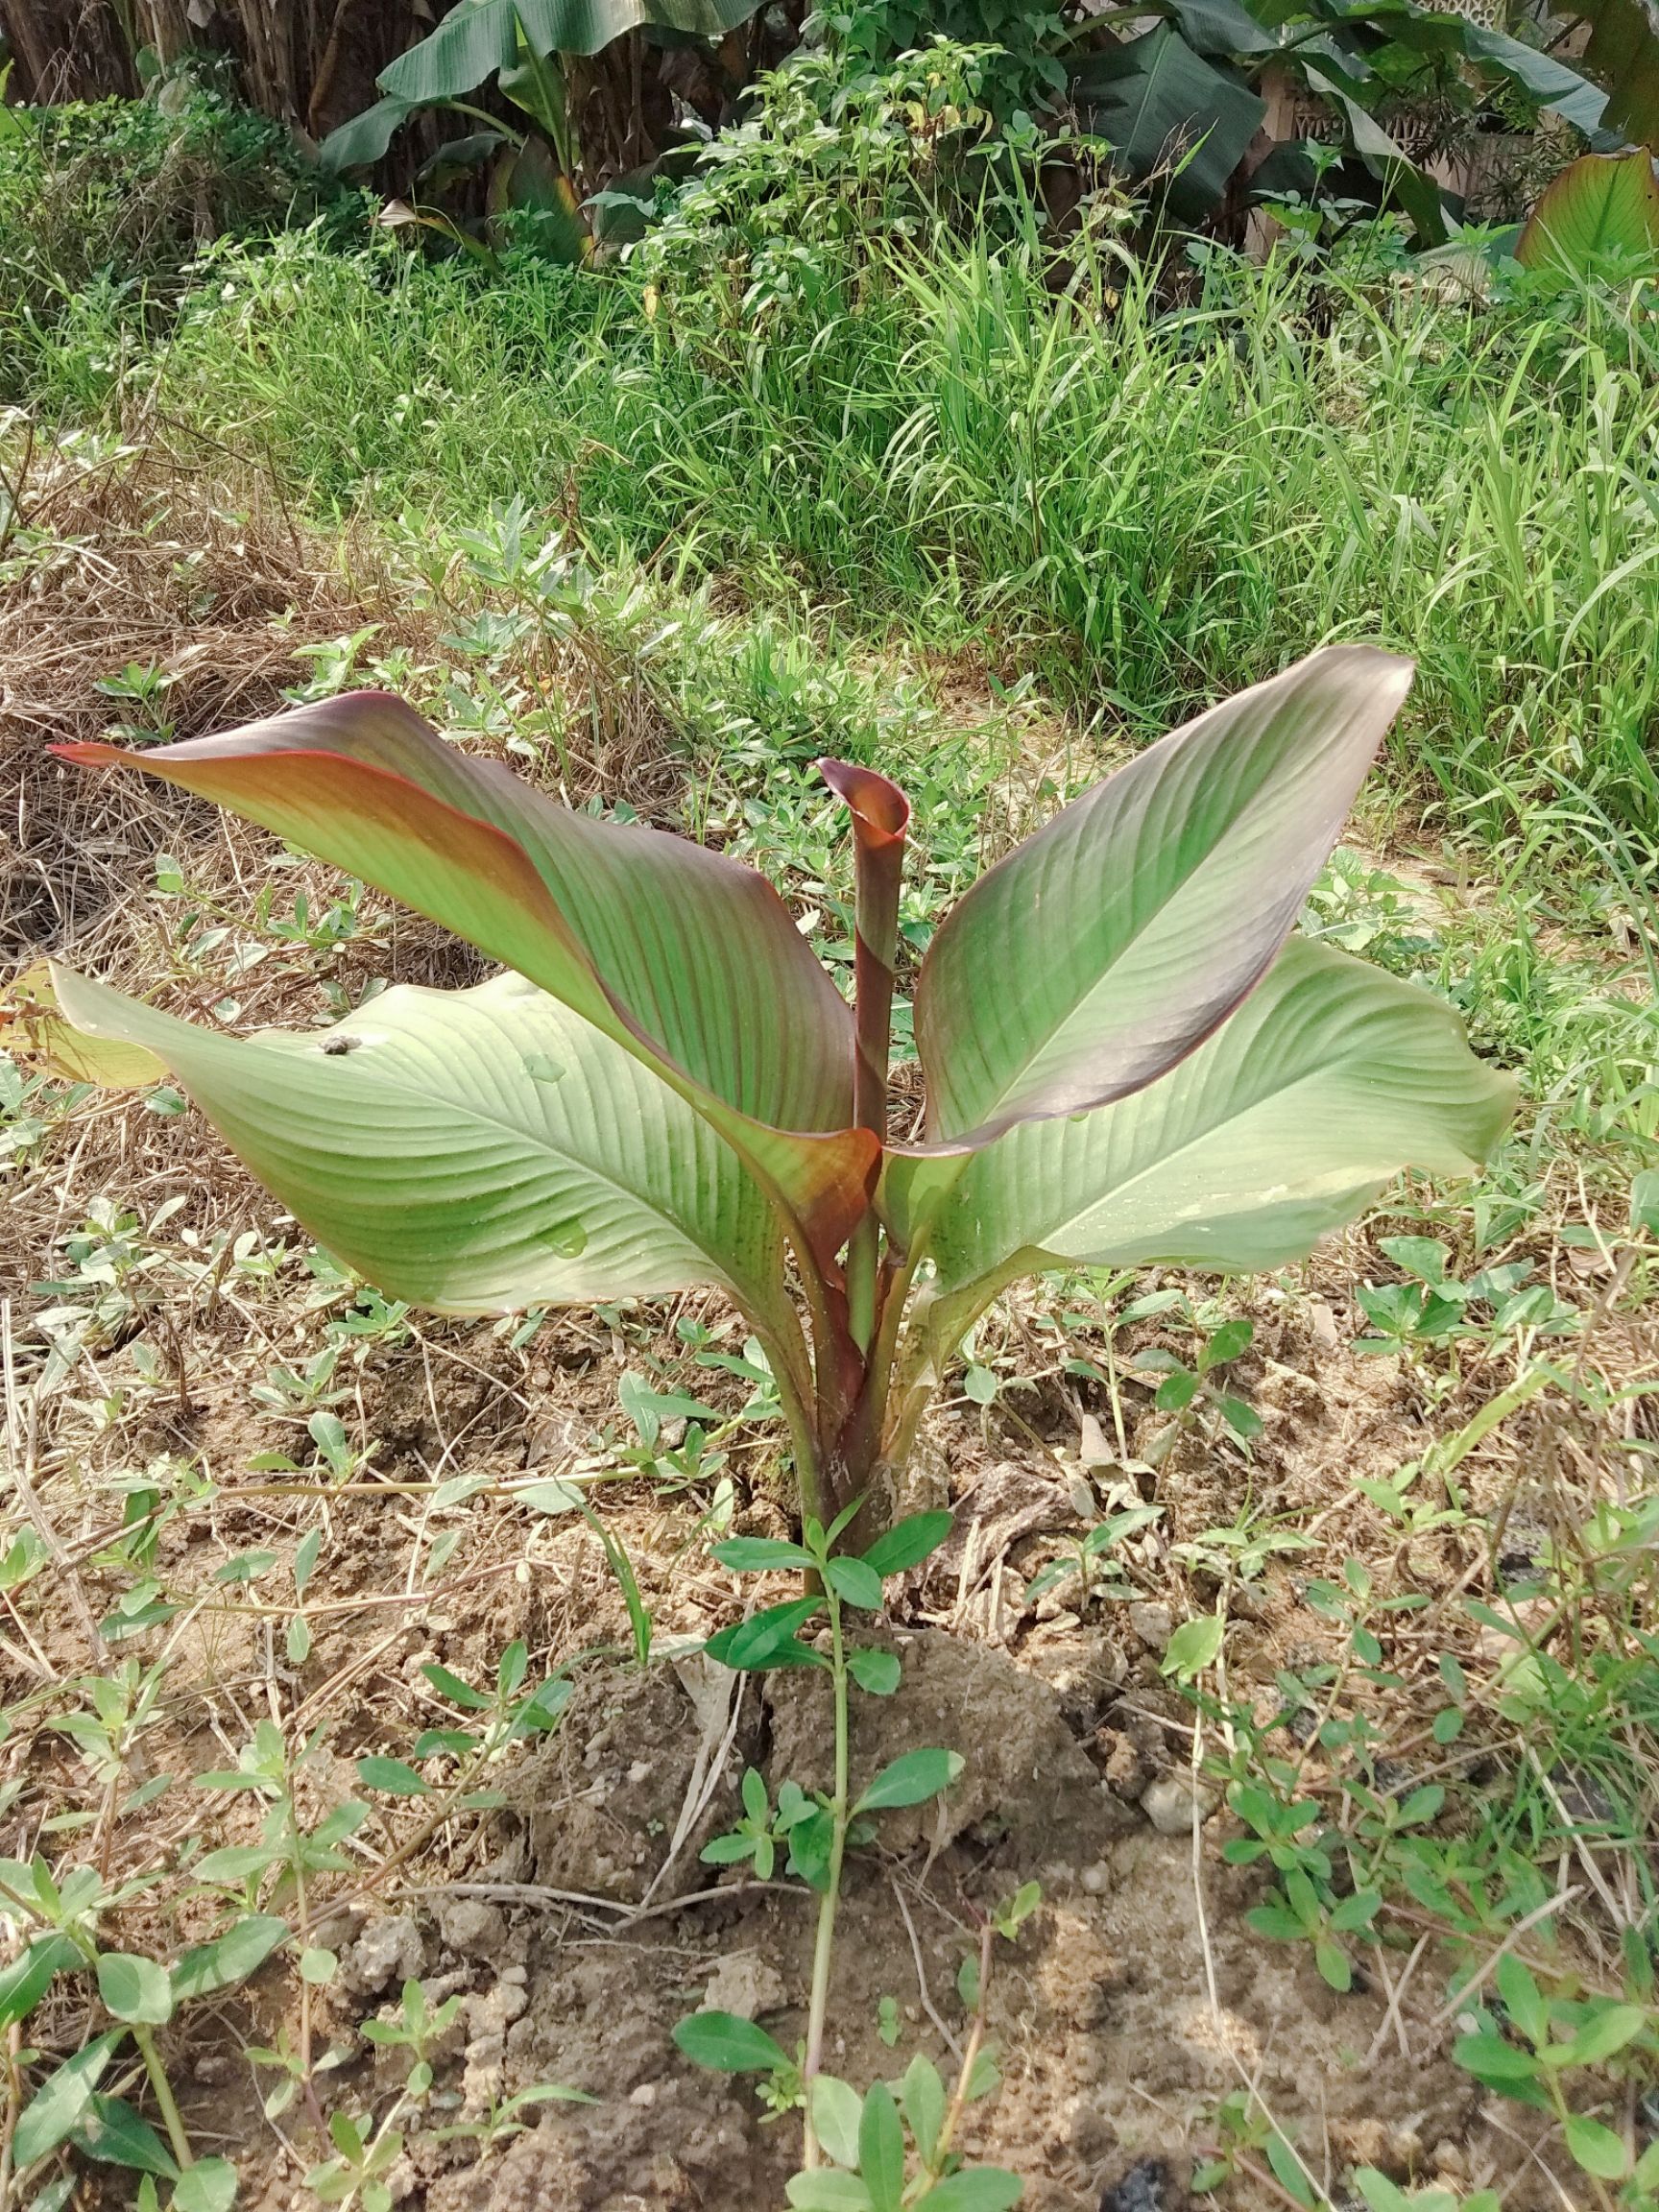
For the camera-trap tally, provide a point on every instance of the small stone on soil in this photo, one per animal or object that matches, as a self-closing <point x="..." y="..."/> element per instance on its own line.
<point x="1153" y="1625"/>
<point x="559" y="1437"/>
<point x="1168" y="1804"/>
<point x="491" y="2013"/>
<point x="1322" y="1322"/>
<point x="476" y="1930"/>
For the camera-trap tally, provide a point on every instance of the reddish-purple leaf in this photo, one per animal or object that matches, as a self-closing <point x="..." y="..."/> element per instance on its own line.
<point x="881" y="820"/>
<point x="686" y="957"/>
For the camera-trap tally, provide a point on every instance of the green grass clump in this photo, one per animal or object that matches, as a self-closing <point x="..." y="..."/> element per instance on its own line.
<point x="104" y="209"/>
<point x="1142" y="505"/>
<point x="854" y="359"/>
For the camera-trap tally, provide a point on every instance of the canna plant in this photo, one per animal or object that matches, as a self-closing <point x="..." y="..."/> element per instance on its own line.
<point x="1128" y="1057"/>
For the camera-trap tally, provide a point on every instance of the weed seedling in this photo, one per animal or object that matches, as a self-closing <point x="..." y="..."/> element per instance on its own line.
<point x="140" y="688"/>
<point x="1197" y="1396"/>
<point x="1555" y="2038"/>
<point x="415" y="2030"/>
<point x="1434" y="1311"/>
<point x="508" y="2116"/>
<point x="1091" y="1557"/>
<point x="862" y="2139"/>
<point x="59" y="1916"/>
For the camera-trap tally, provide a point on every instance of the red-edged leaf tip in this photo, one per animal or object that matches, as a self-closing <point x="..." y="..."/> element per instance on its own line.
<point x="90" y="753"/>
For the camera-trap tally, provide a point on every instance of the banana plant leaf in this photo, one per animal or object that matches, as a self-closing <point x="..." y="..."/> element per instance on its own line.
<point x="1221" y="28"/>
<point x="362" y="139"/>
<point x="33" y="1025"/>
<point x="480" y="37"/>
<point x="1163" y="108"/>
<point x="687" y="959"/>
<point x="1623" y="50"/>
<point x="1555" y="88"/>
<point x="627" y="207"/>
<point x="456" y="155"/>
<point x="1143" y="912"/>
<point x="1291" y="170"/>
<point x="1329" y="1076"/>
<point x="1388" y="163"/>
<point x="1597" y="205"/>
<point x="526" y="183"/>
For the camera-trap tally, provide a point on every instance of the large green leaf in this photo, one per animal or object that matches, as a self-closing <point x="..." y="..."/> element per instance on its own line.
<point x="1328" y="1080"/>
<point x="472" y="42"/>
<point x="1624" y="51"/>
<point x="1130" y="925"/>
<point x="1221" y="27"/>
<point x="475" y="1150"/>
<point x="686" y="958"/>
<point x="361" y="140"/>
<point x="1160" y="106"/>
<point x="479" y="37"/>
<point x="526" y="182"/>
<point x="1387" y="160"/>
<point x="1594" y="207"/>
<point x="1547" y="80"/>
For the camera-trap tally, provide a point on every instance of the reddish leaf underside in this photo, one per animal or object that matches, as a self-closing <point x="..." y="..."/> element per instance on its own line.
<point x="1110" y="944"/>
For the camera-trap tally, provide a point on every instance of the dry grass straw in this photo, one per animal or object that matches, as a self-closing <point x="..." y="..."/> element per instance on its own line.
<point x="137" y="556"/>
<point x="120" y="556"/>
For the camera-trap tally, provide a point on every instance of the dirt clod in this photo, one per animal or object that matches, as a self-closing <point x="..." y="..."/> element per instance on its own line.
<point x="387" y="1951"/>
<point x="1153" y="1625"/>
<point x="473" y="1927"/>
<point x="746" y="1984"/>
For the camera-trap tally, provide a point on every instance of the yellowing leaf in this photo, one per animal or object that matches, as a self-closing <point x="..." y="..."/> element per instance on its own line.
<point x="32" y="1026"/>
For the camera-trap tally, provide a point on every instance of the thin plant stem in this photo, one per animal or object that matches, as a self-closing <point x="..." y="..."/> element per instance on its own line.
<point x="313" y="2103"/>
<point x="824" y="1947"/>
<point x="894" y="1297"/>
<point x="164" y="2098"/>
<point x="14" y="2103"/>
<point x="969" y="2056"/>
<point x="809" y="1470"/>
